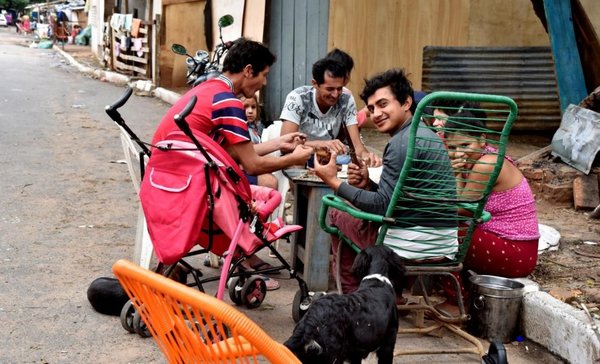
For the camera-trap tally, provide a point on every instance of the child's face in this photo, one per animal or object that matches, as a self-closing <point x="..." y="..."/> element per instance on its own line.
<point x="251" y="109"/>
<point x="387" y="113"/>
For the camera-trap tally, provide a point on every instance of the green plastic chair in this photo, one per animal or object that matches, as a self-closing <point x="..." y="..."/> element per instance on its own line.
<point x="418" y="200"/>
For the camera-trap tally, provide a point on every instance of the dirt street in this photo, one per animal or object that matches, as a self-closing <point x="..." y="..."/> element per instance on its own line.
<point x="69" y="212"/>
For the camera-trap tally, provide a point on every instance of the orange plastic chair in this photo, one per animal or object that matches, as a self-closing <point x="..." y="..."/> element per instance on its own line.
<point x="192" y="327"/>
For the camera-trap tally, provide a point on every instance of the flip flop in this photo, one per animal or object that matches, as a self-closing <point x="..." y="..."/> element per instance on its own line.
<point x="265" y="265"/>
<point x="206" y="261"/>
<point x="271" y="283"/>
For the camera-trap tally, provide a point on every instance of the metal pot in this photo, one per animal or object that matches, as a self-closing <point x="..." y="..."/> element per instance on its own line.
<point x="495" y="307"/>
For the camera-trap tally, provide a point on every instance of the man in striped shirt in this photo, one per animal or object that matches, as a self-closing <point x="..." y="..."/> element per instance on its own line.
<point x="220" y="114"/>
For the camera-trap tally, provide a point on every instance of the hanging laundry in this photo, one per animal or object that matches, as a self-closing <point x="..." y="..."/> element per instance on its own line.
<point x="128" y="20"/>
<point x="137" y="46"/>
<point x="135" y="27"/>
<point x="128" y="43"/>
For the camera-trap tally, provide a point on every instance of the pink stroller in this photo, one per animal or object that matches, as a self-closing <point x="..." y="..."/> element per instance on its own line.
<point x="195" y="196"/>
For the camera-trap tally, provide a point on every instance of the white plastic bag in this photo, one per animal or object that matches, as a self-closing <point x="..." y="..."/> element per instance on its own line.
<point x="549" y="238"/>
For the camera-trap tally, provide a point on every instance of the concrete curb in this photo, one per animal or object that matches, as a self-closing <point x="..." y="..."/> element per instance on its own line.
<point x="566" y="331"/>
<point x="167" y="96"/>
<point x="143" y="86"/>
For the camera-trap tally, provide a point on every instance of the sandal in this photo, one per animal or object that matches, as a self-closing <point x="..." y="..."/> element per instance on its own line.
<point x="271" y="283"/>
<point x="207" y="262"/>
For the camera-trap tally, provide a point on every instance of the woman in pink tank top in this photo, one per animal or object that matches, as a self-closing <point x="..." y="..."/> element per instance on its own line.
<point x="506" y="245"/>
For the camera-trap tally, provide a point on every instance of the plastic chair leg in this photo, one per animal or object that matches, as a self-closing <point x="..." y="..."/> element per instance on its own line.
<point x="142" y="252"/>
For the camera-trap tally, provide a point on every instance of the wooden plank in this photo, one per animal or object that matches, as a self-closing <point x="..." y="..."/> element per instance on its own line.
<point x="128" y="57"/>
<point x="585" y="192"/>
<point x="589" y="44"/>
<point x="253" y="26"/>
<point x="402" y="29"/>
<point x="534" y="156"/>
<point x="121" y="65"/>
<point x="234" y="8"/>
<point x="185" y="26"/>
<point x="569" y="73"/>
<point x="175" y="2"/>
<point x="112" y="50"/>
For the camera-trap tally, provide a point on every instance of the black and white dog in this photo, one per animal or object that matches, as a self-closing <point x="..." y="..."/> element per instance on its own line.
<point x="338" y="328"/>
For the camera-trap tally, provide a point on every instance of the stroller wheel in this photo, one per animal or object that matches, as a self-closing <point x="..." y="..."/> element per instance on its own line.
<point x="214" y="332"/>
<point x="139" y="326"/>
<point x="254" y="292"/>
<point x="298" y="308"/>
<point x="127" y="313"/>
<point x="235" y="291"/>
<point x="301" y="304"/>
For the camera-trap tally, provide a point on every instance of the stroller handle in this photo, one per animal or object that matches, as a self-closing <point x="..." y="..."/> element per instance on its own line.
<point x="113" y="112"/>
<point x="180" y="117"/>
<point x="121" y="101"/>
<point x="185" y="127"/>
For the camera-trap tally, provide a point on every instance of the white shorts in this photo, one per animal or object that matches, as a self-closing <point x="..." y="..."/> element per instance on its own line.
<point x="422" y="242"/>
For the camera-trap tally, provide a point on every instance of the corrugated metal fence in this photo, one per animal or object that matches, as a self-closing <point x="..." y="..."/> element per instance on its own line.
<point x="297" y="34"/>
<point x="526" y="74"/>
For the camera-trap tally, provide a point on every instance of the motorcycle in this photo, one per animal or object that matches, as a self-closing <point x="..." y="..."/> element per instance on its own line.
<point x="201" y="66"/>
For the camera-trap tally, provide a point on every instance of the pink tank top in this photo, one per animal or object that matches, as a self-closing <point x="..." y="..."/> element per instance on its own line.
<point x="513" y="213"/>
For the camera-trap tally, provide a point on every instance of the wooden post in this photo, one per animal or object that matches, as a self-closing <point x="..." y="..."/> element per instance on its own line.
<point x="569" y="73"/>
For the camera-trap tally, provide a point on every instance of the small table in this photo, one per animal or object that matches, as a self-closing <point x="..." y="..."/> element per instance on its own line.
<point x="311" y="245"/>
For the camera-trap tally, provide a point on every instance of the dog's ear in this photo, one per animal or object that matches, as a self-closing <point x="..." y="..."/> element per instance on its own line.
<point x="396" y="270"/>
<point x="360" y="268"/>
<point x="395" y="263"/>
<point x="294" y="343"/>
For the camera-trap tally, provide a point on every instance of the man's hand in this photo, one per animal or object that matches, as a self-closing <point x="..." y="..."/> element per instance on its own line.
<point x="328" y="172"/>
<point x="358" y="176"/>
<point x="334" y="145"/>
<point x="289" y="142"/>
<point x="371" y="159"/>
<point x="301" y="154"/>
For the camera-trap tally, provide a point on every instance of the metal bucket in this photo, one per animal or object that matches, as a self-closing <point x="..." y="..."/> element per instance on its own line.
<point x="495" y="307"/>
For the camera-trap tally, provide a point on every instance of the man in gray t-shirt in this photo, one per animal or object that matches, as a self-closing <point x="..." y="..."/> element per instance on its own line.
<point x="323" y="109"/>
<point x="390" y="100"/>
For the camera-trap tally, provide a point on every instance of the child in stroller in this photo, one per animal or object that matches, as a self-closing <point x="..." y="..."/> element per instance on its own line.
<point x="193" y="193"/>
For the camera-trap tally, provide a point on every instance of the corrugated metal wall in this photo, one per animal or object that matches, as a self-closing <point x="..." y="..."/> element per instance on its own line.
<point x="297" y="34"/>
<point x="525" y="74"/>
